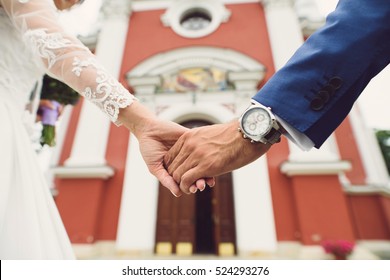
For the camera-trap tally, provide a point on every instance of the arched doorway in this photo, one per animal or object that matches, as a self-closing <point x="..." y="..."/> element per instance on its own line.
<point x="203" y="223"/>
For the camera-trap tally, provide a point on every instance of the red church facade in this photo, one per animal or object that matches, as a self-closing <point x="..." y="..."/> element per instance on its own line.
<point x="282" y="206"/>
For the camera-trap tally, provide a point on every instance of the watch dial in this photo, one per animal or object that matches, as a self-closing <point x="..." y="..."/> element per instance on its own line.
<point x="256" y="122"/>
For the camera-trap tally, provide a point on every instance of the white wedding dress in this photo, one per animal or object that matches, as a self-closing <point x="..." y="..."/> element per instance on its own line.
<point x="32" y="42"/>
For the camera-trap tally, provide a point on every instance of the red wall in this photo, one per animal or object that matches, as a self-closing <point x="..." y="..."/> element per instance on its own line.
<point x="303" y="205"/>
<point x="322" y="209"/>
<point x="90" y="207"/>
<point x="370" y="217"/>
<point x="245" y="32"/>
<point x="285" y="213"/>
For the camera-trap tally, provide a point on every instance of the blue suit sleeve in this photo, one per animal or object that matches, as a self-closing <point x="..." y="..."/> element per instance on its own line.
<point x="318" y="86"/>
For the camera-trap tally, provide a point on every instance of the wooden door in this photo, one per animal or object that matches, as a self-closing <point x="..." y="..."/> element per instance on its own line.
<point x="175" y="232"/>
<point x="203" y="223"/>
<point x="223" y="216"/>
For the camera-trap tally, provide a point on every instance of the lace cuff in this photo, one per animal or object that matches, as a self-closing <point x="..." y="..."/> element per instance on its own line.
<point x="64" y="57"/>
<point x="108" y="94"/>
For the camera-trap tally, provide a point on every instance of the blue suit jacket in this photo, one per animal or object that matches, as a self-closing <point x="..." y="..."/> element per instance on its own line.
<point x="316" y="89"/>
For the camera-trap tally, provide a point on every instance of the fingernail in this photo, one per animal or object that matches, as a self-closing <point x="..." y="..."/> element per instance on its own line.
<point x="193" y="189"/>
<point x="175" y="194"/>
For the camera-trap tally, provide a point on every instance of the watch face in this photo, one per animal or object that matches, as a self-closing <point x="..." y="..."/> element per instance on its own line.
<point x="256" y="122"/>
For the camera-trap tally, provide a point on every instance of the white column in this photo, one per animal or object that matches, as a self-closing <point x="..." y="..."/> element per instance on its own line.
<point x="369" y="150"/>
<point x="89" y="147"/>
<point x="309" y="15"/>
<point x="138" y="212"/>
<point x="255" y="222"/>
<point x="286" y="37"/>
<point x="283" y="28"/>
<point x="370" y="112"/>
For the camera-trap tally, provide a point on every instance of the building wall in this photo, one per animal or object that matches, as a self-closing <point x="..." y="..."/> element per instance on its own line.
<point x="245" y="32"/>
<point x="307" y="208"/>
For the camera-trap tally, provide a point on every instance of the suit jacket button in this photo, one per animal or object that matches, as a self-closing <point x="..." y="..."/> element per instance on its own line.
<point x="324" y="95"/>
<point x="317" y="104"/>
<point x="329" y="89"/>
<point x="336" y="82"/>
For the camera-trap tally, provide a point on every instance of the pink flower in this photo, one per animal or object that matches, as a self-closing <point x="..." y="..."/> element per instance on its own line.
<point x="339" y="248"/>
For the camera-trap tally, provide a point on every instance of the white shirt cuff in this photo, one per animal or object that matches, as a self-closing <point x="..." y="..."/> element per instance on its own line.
<point x="295" y="136"/>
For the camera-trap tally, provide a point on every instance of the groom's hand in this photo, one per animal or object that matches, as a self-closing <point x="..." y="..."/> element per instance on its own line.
<point x="155" y="138"/>
<point x="155" y="141"/>
<point x="210" y="151"/>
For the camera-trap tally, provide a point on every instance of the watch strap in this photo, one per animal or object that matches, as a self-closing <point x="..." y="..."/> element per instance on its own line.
<point x="273" y="136"/>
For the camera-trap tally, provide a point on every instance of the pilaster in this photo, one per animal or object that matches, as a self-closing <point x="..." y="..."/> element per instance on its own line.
<point x="89" y="147"/>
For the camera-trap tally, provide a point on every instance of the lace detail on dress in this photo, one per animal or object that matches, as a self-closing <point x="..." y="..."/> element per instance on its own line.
<point x="109" y="95"/>
<point x="62" y="55"/>
<point x="46" y="43"/>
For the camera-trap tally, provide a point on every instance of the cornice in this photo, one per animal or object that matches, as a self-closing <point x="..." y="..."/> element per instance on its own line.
<point x="116" y="8"/>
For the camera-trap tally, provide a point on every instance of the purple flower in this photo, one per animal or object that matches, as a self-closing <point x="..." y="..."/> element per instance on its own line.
<point x="50" y="115"/>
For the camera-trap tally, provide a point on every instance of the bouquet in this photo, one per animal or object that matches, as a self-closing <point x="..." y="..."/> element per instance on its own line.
<point x="54" y="95"/>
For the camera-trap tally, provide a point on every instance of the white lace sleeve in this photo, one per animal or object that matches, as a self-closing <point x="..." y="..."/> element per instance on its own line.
<point x="64" y="56"/>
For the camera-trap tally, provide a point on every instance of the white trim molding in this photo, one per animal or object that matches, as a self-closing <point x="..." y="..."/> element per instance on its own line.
<point x="309" y="16"/>
<point x="244" y="72"/>
<point x="186" y="57"/>
<point x="369" y="150"/>
<point x="315" y="168"/>
<point x="142" y="5"/>
<point x="116" y="9"/>
<point x="366" y="190"/>
<point x="93" y="172"/>
<point x="215" y="10"/>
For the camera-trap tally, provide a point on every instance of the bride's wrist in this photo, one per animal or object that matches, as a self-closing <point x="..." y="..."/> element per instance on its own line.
<point x="136" y="118"/>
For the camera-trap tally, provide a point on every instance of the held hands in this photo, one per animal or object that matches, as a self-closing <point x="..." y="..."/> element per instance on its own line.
<point x="155" y="138"/>
<point x="178" y="157"/>
<point x="210" y="151"/>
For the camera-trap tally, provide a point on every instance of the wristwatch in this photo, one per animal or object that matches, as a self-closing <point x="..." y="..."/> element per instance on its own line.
<point x="259" y="124"/>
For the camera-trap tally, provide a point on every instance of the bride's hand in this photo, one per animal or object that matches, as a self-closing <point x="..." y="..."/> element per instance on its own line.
<point x="155" y="138"/>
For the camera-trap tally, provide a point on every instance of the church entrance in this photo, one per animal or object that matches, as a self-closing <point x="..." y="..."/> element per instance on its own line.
<point x="202" y="223"/>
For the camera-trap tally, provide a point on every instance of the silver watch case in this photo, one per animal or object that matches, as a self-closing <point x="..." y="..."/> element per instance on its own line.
<point x="259" y="124"/>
